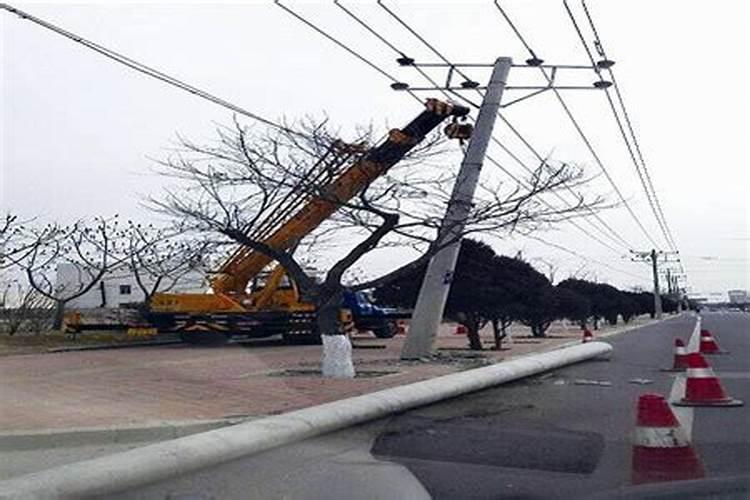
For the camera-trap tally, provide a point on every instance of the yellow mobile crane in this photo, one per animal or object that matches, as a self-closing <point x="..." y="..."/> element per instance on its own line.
<point x="272" y="305"/>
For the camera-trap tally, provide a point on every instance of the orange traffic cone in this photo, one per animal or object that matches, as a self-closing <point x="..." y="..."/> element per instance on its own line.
<point x="460" y="330"/>
<point x="587" y="336"/>
<point x="680" y="357"/>
<point x="708" y="344"/>
<point x="661" y="448"/>
<point x="400" y="328"/>
<point x="703" y="387"/>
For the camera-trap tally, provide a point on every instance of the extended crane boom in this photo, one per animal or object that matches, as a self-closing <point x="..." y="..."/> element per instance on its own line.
<point x="245" y="264"/>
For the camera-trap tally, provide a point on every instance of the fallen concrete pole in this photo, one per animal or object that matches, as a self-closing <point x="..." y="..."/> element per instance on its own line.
<point x="157" y="462"/>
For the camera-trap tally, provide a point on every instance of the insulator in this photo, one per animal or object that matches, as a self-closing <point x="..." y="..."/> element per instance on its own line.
<point x="399" y="86"/>
<point x="469" y="84"/>
<point x="405" y="61"/>
<point x="458" y="130"/>
<point x="602" y="84"/>
<point x="605" y="64"/>
<point x="534" y="61"/>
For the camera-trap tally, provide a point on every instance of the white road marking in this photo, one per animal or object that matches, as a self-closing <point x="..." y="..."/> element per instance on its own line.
<point x="695" y="338"/>
<point x="685" y="414"/>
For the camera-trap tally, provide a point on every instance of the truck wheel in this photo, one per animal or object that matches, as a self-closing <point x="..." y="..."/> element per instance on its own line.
<point x="386" y="331"/>
<point x="204" y="338"/>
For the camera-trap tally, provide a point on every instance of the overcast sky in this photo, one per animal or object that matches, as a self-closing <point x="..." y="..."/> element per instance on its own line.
<point x="78" y="130"/>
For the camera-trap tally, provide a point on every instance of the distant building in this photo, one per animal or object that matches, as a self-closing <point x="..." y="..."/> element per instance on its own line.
<point x="118" y="288"/>
<point x="737" y="296"/>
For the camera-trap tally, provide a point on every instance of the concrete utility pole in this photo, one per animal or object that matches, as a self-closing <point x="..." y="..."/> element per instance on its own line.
<point x="657" y="293"/>
<point x="433" y="294"/>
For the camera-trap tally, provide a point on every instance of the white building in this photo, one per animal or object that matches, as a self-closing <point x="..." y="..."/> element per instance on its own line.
<point x="119" y="287"/>
<point x="737" y="296"/>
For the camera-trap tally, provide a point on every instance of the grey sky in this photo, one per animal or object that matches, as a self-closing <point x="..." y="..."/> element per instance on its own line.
<point x="77" y="129"/>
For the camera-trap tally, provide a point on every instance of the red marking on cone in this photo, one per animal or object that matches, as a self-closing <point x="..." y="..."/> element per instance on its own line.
<point x="460" y="330"/>
<point x="680" y="357"/>
<point x="400" y="328"/>
<point x="661" y="447"/>
<point x="587" y="336"/>
<point x="703" y="387"/>
<point x="708" y="344"/>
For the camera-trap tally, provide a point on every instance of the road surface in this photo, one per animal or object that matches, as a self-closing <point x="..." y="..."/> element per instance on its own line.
<point x="551" y="436"/>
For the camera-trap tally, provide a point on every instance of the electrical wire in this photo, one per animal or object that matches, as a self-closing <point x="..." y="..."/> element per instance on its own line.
<point x="344" y="46"/>
<point x="582" y="257"/>
<point x="649" y="194"/>
<point x="490" y="159"/>
<point x="618" y="239"/>
<point x="146" y="70"/>
<point x="628" y="122"/>
<point x="581" y="133"/>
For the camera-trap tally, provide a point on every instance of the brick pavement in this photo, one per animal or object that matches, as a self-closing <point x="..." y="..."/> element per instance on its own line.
<point x="155" y="384"/>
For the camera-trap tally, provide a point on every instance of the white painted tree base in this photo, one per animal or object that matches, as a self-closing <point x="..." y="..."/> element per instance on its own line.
<point x="337" y="357"/>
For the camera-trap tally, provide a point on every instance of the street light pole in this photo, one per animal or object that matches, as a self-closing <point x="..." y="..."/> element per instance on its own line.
<point x="433" y="294"/>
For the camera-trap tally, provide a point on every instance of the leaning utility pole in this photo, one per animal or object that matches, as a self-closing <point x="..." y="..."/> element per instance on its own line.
<point x="433" y="294"/>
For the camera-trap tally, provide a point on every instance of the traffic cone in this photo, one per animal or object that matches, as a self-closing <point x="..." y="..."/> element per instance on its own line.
<point x="400" y="328"/>
<point x="587" y="336"/>
<point x="703" y="387"/>
<point x="680" y="357"/>
<point x="460" y="330"/>
<point x="708" y="344"/>
<point x="661" y="448"/>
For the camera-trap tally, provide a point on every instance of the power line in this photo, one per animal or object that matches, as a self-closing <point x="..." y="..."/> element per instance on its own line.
<point x="627" y="121"/>
<point x="576" y="254"/>
<point x="649" y="194"/>
<point x="618" y="239"/>
<point x="432" y="81"/>
<point x="582" y="134"/>
<point x="343" y="46"/>
<point x="146" y="70"/>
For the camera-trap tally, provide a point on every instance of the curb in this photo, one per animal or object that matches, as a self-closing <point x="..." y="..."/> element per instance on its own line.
<point x="157" y="462"/>
<point x="624" y="329"/>
<point x="84" y="436"/>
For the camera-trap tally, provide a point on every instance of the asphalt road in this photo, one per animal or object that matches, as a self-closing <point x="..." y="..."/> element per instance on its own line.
<point x="551" y="436"/>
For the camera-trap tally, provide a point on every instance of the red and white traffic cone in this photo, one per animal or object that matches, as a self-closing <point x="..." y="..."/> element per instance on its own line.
<point x="400" y="328"/>
<point x="708" y="344"/>
<point x="587" y="336"/>
<point x="703" y="387"/>
<point x="661" y="447"/>
<point x="460" y="330"/>
<point x="680" y="357"/>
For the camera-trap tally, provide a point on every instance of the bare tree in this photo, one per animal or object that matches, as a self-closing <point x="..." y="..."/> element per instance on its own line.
<point x="160" y="259"/>
<point x="24" y="309"/>
<point x="248" y="182"/>
<point x="86" y="250"/>
<point x="14" y="244"/>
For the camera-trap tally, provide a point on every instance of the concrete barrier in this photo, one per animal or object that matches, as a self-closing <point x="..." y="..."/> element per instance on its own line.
<point x="157" y="462"/>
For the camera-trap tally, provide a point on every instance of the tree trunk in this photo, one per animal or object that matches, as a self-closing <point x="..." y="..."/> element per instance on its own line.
<point x="496" y="334"/>
<point x="472" y="332"/>
<point x="57" y="322"/>
<point x="337" y="349"/>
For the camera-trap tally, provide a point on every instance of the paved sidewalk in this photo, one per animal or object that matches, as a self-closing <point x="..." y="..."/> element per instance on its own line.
<point x="150" y="385"/>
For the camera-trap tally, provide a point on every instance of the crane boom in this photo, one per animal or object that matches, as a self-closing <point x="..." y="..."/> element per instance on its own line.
<point x="246" y="263"/>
